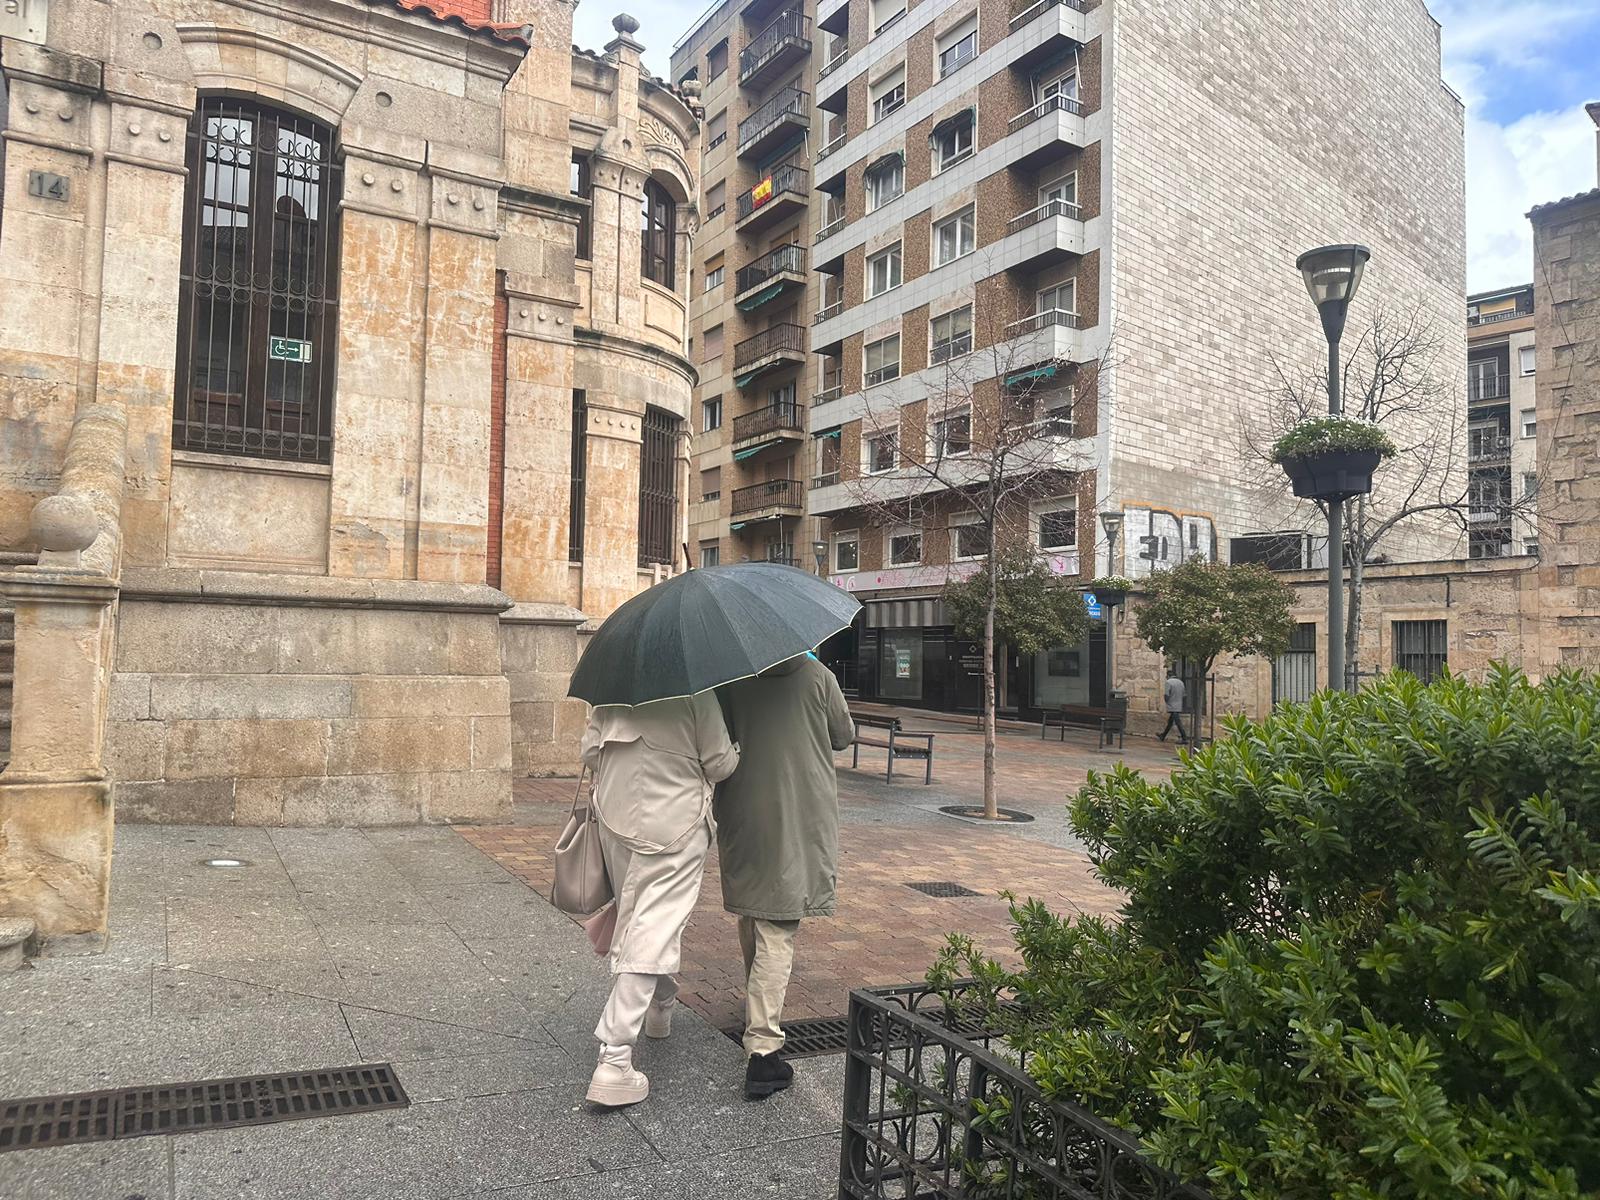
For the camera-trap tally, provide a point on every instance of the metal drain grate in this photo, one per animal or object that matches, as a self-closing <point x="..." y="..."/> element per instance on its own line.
<point x="189" y="1107"/>
<point x="815" y="1035"/>
<point x="943" y="889"/>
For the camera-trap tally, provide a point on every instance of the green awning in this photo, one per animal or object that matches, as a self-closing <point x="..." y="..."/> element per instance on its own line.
<point x="749" y="377"/>
<point x="761" y="297"/>
<point x="1045" y="372"/>
<point x="969" y="113"/>
<point x="737" y="525"/>
<point x="741" y="455"/>
<point x="829" y="433"/>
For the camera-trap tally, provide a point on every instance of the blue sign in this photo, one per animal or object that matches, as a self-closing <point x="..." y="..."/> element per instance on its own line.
<point x="1092" y="605"/>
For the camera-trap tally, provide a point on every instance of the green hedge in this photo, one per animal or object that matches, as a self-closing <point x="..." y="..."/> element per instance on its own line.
<point x="1360" y="954"/>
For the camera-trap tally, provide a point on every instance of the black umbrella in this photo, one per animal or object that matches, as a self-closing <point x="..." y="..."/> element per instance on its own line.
<point x="708" y="627"/>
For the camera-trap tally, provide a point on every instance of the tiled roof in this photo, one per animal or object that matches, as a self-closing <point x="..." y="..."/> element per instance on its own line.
<point x="1591" y="194"/>
<point x="471" y="15"/>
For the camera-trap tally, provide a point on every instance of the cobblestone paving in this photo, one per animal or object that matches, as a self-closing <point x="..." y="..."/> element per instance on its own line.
<point x="891" y="835"/>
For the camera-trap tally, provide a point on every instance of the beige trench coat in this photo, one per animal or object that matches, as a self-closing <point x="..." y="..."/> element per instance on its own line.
<point x="654" y="769"/>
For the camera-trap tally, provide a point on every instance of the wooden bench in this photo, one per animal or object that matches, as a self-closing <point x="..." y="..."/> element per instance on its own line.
<point x="1111" y="721"/>
<point x="896" y="741"/>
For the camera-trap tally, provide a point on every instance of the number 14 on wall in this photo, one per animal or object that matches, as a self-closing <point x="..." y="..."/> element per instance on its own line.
<point x="47" y="186"/>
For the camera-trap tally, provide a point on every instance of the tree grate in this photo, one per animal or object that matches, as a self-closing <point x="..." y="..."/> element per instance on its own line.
<point x="815" y="1035"/>
<point x="944" y="889"/>
<point x="40" y="1121"/>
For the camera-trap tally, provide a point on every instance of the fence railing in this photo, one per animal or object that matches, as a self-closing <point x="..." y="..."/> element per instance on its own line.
<point x="828" y="312"/>
<point x="829" y="395"/>
<point x="1488" y="449"/>
<point x="1050" y="104"/>
<point x="791" y="28"/>
<point x="828" y="230"/>
<point x="783" y="415"/>
<point x="1029" y="9"/>
<point x="1510" y="314"/>
<point x="784" y="179"/>
<point x="786" y="338"/>
<point x="774" y="493"/>
<point x="932" y="1110"/>
<point x="785" y="259"/>
<point x="834" y="63"/>
<point x="830" y="146"/>
<point x="791" y="104"/>
<point x="950" y="348"/>
<point x="1044" y="320"/>
<point x="1496" y="387"/>
<point x="1045" y="211"/>
<point x="826" y="479"/>
<point x="882" y="374"/>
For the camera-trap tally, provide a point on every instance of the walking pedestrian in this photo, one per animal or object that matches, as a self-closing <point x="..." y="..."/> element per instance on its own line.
<point x="778" y="837"/>
<point x="654" y="766"/>
<point x="1173" y="692"/>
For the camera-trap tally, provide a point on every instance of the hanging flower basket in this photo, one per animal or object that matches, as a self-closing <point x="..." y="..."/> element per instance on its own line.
<point x="1332" y="458"/>
<point x="1111" y="590"/>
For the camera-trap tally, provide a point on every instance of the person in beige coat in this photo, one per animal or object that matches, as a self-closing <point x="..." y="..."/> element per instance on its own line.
<point x="654" y="768"/>
<point x="778" y="837"/>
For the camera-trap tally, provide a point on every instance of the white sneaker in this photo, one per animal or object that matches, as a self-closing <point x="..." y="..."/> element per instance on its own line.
<point x="658" y="1019"/>
<point x="615" y="1081"/>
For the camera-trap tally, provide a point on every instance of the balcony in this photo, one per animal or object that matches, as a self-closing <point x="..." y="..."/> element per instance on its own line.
<point x="1045" y="211"/>
<point x="1058" y="318"/>
<point x="1041" y="236"/>
<point x="781" y="560"/>
<point x="1494" y="318"/>
<point x="827" y="312"/>
<point x="769" y="277"/>
<point x="1026" y="11"/>
<point x="1493" y="387"/>
<point x="826" y="479"/>
<point x="784" y="42"/>
<point x="788" y="112"/>
<point x="1050" y="104"/>
<point x="834" y="63"/>
<point x="1488" y="450"/>
<point x="755" y="10"/>
<point x="783" y="192"/>
<point x="833" y="16"/>
<point x="829" y="395"/>
<point x="774" y="498"/>
<point x="1479" y="517"/>
<point x="782" y="345"/>
<point x="784" y="421"/>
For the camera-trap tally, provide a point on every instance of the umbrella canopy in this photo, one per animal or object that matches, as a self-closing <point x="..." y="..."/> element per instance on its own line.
<point x="708" y="627"/>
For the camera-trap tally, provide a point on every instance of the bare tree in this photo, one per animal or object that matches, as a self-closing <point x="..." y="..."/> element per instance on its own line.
<point x="1002" y="430"/>
<point x="1393" y="377"/>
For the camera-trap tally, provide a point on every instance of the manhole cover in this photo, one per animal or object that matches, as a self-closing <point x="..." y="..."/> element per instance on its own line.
<point x="39" y="1121"/>
<point x="943" y="888"/>
<point x="974" y="812"/>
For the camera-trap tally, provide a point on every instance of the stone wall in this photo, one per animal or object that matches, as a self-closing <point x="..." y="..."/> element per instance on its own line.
<point x="1230" y="154"/>
<point x="251" y="699"/>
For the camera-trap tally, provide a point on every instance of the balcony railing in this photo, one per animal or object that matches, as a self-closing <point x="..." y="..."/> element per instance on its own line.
<point x="831" y="145"/>
<point x="834" y="63"/>
<point x="780" y="339"/>
<point x="827" y="312"/>
<point x="1482" y="450"/>
<point x="783" y="415"/>
<point x="882" y="375"/>
<point x="790" y="259"/>
<point x="1510" y="314"/>
<point x="774" y="493"/>
<point x="785" y="179"/>
<point x="1027" y="10"/>
<point x="950" y="348"/>
<point x="791" y="104"/>
<point x="1045" y="211"/>
<point x="831" y="228"/>
<point x="1044" y="320"/>
<point x="829" y="395"/>
<point x="1494" y="387"/>
<point x="1050" y="104"/>
<point x="790" y="29"/>
<point x="826" y="479"/>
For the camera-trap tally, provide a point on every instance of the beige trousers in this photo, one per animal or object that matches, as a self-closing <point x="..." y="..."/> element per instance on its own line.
<point x="768" y="958"/>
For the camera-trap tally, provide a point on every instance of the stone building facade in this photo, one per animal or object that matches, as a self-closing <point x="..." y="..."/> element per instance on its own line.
<point x="343" y="381"/>
<point x="1502" y="424"/>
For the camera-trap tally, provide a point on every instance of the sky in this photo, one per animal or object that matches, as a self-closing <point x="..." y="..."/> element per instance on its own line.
<point x="1525" y="69"/>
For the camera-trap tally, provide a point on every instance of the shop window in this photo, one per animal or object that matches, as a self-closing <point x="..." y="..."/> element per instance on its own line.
<point x="258" y="307"/>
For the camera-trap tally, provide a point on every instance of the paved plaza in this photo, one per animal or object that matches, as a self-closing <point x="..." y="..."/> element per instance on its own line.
<point x="331" y="948"/>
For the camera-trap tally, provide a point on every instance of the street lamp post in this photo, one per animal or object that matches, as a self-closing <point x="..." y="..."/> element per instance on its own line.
<point x="1332" y="274"/>
<point x="819" y="551"/>
<point x="1111" y="522"/>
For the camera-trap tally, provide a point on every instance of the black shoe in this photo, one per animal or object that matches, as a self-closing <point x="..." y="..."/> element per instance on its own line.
<point x="765" y="1074"/>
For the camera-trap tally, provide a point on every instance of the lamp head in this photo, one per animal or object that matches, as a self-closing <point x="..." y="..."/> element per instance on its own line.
<point x="820" y="550"/>
<point x="1111" y="522"/>
<point x="1332" y="275"/>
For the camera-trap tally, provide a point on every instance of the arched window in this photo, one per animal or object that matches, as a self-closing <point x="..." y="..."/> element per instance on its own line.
<point x="258" y="308"/>
<point x="658" y="224"/>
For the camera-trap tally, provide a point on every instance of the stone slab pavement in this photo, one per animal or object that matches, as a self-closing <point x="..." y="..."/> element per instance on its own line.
<point x="892" y="834"/>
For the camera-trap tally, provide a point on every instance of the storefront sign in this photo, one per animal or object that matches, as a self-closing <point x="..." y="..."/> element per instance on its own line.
<point x="24" y="20"/>
<point x="1092" y="604"/>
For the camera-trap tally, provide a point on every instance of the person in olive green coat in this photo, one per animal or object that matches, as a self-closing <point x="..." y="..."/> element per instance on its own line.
<point x="778" y="836"/>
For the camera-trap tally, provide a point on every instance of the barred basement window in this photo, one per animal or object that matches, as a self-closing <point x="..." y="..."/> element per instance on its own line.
<point x="575" y="496"/>
<point x="1421" y="647"/>
<point x="258" y="308"/>
<point x="658" y="487"/>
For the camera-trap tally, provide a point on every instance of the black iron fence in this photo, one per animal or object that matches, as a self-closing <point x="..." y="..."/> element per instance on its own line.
<point x="790" y="259"/>
<point x="933" y="1112"/>
<point x="788" y="105"/>
<point x="790" y="29"/>
<point x="1488" y="387"/>
<point x="787" y="338"/>
<point x="784" y="179"/>
<point x="774" y="493"/>
<point x="1050" y="104"/>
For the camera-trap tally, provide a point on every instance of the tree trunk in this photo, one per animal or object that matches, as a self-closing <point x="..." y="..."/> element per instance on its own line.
<point x="1199" y="695"/>
<point x="1356" y="588"/>
<point x="991" y="804"/>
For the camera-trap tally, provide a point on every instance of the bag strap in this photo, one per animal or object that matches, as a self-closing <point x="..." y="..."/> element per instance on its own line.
<point x="577" y="795"/>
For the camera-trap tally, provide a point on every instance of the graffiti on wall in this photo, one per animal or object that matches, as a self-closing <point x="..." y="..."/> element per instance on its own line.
<point x="1156" y="539"/>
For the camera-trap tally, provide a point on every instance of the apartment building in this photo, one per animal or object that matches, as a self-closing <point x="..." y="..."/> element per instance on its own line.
<point x="750" y="312"/>
<point x="1502" y="425"/>
<point x="1077" y="217"/>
